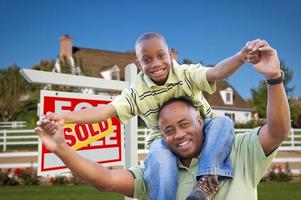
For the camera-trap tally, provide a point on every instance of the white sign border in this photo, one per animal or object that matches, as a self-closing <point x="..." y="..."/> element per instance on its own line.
<point x="44" y="93"/>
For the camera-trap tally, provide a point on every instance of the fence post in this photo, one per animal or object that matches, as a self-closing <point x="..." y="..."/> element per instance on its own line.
<point x="131" y="135"/>
<point x="293" y="137"/>
<point x="4" y="139"/>
<point x="145" y="136"/>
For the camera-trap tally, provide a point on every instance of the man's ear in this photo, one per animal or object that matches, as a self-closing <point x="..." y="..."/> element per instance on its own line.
<point x="200" y="121"/>
<point x="137" y="63"/>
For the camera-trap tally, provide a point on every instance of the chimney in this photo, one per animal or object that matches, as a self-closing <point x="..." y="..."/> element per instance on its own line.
<point x="66" y="46"/>
<point x="174" y="54"/>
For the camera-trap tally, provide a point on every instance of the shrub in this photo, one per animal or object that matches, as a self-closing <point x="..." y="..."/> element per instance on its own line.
<point x="276" y="173"/>
<point x="251" y="124"/>
<point x="19" y="177"/>
<point x="76" y="180"/>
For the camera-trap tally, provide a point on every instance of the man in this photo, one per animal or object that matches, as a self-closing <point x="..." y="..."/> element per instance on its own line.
<point x="181" y="127"/>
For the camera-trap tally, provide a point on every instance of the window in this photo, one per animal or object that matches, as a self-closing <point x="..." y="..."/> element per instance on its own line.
<point x="115" y="73"/>
<point x="231" y="116"/>
<point x="227" y="95"/>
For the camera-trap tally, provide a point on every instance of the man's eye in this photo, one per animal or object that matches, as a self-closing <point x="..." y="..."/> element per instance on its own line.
<point x="169" y="132"/>
<point x="184" y="125"/>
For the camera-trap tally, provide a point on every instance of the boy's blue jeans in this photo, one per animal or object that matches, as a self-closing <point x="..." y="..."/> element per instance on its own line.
<point x="161" y="171"/>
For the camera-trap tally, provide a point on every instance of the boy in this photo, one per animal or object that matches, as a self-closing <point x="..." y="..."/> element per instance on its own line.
<point x="161" y="78"/>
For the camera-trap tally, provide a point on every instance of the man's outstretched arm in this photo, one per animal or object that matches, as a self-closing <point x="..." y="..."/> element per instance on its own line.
<point x="277" y="128"/>
<point x="121" y="181"/>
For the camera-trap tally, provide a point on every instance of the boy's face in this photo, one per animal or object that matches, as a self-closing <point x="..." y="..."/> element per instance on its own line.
<point x="154" y="59"/>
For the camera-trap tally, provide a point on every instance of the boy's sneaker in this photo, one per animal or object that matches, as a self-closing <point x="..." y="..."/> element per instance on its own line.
<point x="205" y="188"/>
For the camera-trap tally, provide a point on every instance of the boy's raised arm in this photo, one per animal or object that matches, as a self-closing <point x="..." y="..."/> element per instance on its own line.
<point x="228" y="66"/>
<point x="90" y="115"/>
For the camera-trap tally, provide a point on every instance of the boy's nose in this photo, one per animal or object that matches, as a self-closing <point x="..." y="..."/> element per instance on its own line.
<point x="156" y="62"/>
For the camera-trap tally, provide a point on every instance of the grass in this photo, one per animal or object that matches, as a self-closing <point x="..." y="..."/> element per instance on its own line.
<point x="279" y="190"/>
<point x="57" y="192"/>
<point x="266" y="191"/>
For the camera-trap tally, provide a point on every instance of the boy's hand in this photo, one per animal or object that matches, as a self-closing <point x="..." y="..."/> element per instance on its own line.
<point x="55" y="117"/>
<point x="249" y="53"/>
<point x="53" y="139"/>
<point x="47" y="122"/>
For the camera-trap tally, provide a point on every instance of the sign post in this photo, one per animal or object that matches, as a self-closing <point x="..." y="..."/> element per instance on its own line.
<point x="35" y="76"/>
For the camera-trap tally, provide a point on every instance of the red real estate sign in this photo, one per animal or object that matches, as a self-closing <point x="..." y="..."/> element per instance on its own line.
<point x="101" y="142"/>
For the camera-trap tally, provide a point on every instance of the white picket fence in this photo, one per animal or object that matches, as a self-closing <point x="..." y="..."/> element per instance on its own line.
<point x="28" y="137"/>
<point x="13" y="124"/>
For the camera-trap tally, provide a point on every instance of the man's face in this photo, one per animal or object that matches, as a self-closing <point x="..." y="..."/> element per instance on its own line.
<point x="182" y="127"/>
<point x="154" y="59"/>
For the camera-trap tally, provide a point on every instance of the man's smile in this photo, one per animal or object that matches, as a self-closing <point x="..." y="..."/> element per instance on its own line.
<point x="184" y="144"/>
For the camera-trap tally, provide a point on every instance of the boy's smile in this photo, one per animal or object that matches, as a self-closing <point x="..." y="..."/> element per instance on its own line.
<point x="154" y="59"/>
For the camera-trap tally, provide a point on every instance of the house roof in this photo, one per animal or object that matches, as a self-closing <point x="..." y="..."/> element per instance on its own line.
<point x="216" y="100"/>
<point x="95" y="60"/>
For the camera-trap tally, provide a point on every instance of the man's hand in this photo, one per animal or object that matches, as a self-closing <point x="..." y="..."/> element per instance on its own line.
<point x="52" y="136"/>
<point x="269" y="64"/>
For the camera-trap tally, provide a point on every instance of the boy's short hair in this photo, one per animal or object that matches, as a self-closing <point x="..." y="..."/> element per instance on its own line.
<point x="187" y="101"/>
<point x="149" y="35"/>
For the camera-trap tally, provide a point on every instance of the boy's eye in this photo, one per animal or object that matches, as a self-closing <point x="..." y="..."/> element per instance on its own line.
<point x="146" y="60"/>
<point x="162" y="55"/>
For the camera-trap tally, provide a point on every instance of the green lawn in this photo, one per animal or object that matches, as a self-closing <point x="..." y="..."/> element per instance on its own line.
<point x="279" y="190"/>
<point x="57" y="192"/>
<point x="267" y="191"/>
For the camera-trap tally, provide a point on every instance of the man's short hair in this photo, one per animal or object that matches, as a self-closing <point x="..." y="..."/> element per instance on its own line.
<point x="187" y="101"/>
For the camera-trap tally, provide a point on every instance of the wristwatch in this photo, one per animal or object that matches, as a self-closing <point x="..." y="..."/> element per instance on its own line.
<point x="276" y="81"/>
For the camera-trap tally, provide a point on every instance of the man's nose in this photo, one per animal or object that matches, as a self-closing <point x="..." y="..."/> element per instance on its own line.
<point x="179" y="133"/>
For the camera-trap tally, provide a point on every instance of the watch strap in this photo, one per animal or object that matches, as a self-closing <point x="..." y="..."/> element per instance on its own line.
<point x="276" y="81"/>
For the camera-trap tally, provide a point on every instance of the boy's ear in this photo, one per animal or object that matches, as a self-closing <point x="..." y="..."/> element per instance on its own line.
<point x="137" y="63"/>
<point x="171" y="55"/>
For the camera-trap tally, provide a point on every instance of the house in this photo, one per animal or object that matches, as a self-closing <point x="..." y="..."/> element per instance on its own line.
<point x="111" y="65"/>
<point x="95" y="62"/>
<point x="226" y="101"/>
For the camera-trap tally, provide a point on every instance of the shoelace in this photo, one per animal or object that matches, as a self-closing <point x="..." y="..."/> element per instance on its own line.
<point x="209" y="185"/>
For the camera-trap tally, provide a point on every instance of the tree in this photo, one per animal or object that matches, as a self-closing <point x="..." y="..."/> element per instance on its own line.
<point x="44" y="65"/>
<point x="295" y="115"/>
<point x="259" y="94"/>
<point x="12" y="87"/>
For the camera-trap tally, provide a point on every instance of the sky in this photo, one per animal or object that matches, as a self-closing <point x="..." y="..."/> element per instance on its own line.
<point x="207" y="31"/>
